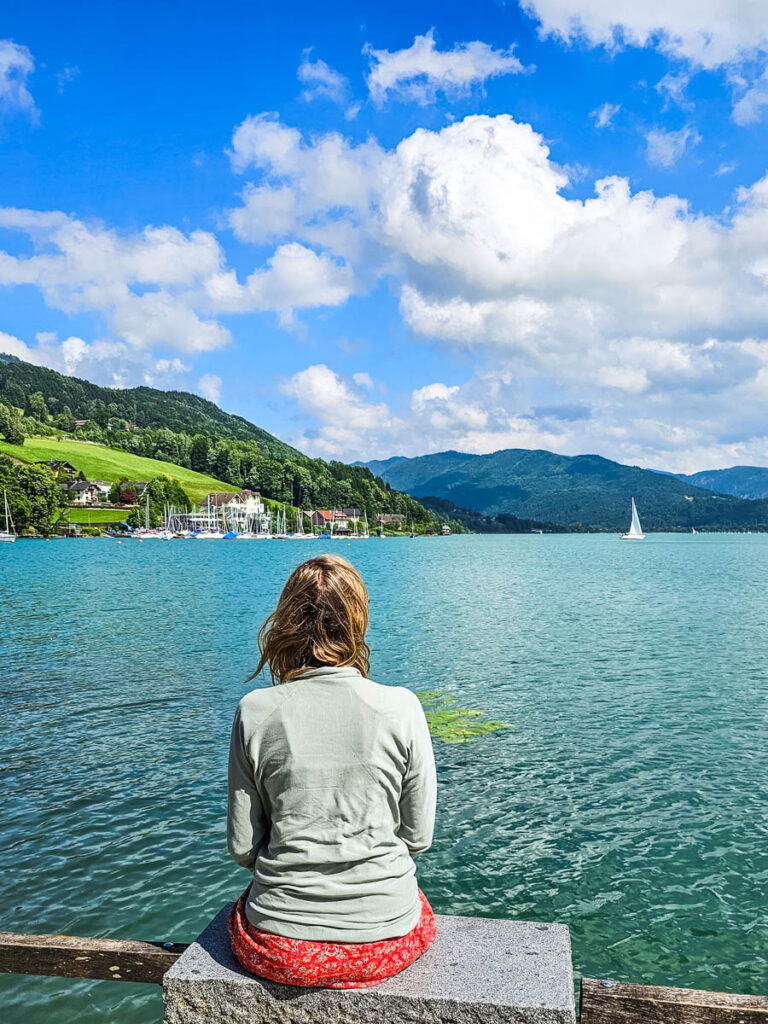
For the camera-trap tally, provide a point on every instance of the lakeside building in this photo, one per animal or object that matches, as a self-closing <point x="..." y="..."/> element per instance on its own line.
<point x="229" y="511"/>
<point x="337" y="520"/>
<point x="82" y="492"/>
<point x="390" y="517"/>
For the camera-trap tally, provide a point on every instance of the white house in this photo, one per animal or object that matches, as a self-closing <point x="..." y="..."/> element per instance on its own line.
<point x="81" y="492"/>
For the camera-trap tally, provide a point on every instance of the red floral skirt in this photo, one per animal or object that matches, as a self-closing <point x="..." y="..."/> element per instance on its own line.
<point x="313" y="964"/>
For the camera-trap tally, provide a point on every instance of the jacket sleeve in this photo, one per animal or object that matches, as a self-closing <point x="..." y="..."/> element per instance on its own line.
<point x="246" y="821"/>
<point x="419" y="795"/>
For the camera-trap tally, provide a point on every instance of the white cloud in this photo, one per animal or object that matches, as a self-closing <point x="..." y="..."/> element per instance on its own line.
<point x="672" y="86"/>
<point x="493" y="410"/>
<point x="140" y="283"/>
<point x="340" y="406"/>
<point x="753" y="104"/>
<point x="295" y="277"/>
<point x="111" y="363"/>
<point x="603" y="115"/>
<point x="421" y="71"/>
<point x="664" y="148"/>
<point x="473" y="229"/>
<point x="209" y="387"/>
<point x="624" y="378"/>
<point x="323" y="82"/>
<point x="708" y="34"/>
<point x="65" y="76"/>
<point x="16" y="65"/>
<point x="160" y="288"/>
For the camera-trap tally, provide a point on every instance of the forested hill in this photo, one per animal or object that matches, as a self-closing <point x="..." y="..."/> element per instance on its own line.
<point x="741" y="481"/>
<point x="178" y="411"/>
<point x="584" y="490"/>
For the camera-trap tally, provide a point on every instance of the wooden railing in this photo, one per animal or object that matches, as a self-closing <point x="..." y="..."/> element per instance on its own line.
<point x="602" y="1002"/>
<point x="65" y="956"/>
<point x="620" y="1002"/>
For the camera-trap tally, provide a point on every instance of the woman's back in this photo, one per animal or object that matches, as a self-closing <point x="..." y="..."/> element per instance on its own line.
<point x="332" y="792"/>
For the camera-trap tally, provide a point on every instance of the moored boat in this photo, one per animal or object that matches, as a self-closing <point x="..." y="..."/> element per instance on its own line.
<point x="8" y="535"/>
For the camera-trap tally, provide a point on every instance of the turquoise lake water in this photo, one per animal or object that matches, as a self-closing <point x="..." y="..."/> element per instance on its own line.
<point x="630" y="800"/>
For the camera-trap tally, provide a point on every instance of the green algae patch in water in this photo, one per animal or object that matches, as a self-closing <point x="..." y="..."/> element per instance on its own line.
<point x="455" y="725"/>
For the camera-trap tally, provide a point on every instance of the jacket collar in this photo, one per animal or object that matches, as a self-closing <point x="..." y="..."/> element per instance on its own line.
<point x="330" y="673"/>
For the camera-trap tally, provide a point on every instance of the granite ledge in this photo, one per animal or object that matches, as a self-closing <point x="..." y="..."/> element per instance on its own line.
<point x="478" y="971"/>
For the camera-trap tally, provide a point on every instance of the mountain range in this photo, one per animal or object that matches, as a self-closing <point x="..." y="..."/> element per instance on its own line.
<point x="740" y="481"/>
<point x="582" y="490"/>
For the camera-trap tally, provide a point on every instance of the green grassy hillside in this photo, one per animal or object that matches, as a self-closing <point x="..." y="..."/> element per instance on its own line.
<point x="101" y="463"/>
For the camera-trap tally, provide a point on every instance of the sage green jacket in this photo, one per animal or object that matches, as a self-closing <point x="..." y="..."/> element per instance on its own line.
<point x="332" y="793"/>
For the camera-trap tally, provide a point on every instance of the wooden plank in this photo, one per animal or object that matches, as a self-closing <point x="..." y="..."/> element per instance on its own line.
<point x="66" y="956"/>
<point x="621" y="1002"/>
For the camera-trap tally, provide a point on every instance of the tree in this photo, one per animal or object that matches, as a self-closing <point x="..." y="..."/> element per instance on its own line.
<point x="115" y="492"/>
<point x="65" y="420"/>
<point x="35" y="406"/>
<point x="35" y="499"/>
<point x="10" y="426"/>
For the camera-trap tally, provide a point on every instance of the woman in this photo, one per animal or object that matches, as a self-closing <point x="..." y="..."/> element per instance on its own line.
<point x="332" y="794"/>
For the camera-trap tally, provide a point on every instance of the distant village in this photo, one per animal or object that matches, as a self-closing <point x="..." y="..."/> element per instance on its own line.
<point x="234" y="510"/>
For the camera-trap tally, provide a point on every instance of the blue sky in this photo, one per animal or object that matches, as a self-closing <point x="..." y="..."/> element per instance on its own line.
<point x="392" y="230"/>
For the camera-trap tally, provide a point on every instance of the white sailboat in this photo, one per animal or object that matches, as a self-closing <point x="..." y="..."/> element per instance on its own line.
<point x="635" y="530"/>
<point x="9" y="533"/>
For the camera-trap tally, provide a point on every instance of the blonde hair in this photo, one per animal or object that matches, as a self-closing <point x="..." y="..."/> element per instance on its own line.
<point x="320" y="619"/>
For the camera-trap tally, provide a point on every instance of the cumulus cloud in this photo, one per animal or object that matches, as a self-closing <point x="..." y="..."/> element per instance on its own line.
<point x="664" y="148"/>
<point x="340" y="406"/>
<point x="294" y="277"/>
<point x="420" y="71"/>
<point x="718" y="34"/>
<point x="160" y="288"/>
<point x="16" y="65"/>
<point x="107" y="362"/>
<point x="493" y="410"/>
<point x="140" y="283"/>
<point x="473" y="228"/>
<point x="603" y="115"/>
<point x="706" y="34"/>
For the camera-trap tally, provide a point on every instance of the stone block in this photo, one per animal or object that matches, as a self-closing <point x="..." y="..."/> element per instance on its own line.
<point x="478" y="971"/>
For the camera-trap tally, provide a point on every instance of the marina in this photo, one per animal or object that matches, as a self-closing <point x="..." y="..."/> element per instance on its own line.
<point x="244" y="516"/>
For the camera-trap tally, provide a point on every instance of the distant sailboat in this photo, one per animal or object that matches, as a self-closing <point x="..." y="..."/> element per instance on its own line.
<point x="9" y="533"/>
<point x="635" y="530"/>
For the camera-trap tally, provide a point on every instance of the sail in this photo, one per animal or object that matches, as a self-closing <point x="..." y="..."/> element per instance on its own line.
<point x="635" y="527"/>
